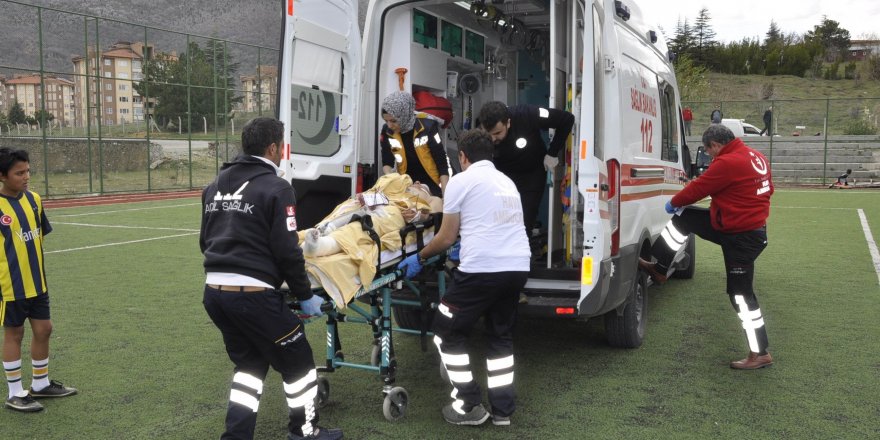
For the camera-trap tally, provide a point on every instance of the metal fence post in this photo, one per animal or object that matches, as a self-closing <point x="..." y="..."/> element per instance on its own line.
<point x="189" y="106"/>
<point x="825" y="158"/>
<point x="43" y="99"/>
<point x="146" y="110"/>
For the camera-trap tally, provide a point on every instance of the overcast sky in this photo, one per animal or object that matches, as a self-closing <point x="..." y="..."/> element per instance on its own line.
<point x="733" y="20"/>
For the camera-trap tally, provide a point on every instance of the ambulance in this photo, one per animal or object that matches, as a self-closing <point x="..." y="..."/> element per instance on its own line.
<point x="602" y="60"/>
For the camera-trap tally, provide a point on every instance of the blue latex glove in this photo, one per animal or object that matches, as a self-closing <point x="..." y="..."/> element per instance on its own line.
<point x="410" y="265"/>
<point x="669" y="208"/>
<point x="312" y="306"/>
<point x="454" y="251"/>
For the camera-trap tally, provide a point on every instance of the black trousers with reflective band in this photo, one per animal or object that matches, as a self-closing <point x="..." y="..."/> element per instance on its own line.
<point x="740" y="251"/>
<point x="260" y="330"/>
<point x="493" y="296"/>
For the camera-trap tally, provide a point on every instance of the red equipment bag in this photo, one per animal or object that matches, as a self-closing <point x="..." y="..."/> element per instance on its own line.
<point x="435" y="105"/>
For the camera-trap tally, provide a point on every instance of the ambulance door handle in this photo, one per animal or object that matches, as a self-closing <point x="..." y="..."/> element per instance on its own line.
<point x="647" y="172"/>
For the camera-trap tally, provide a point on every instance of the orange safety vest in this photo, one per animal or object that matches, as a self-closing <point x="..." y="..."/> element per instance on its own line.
<point x="422" y="145"/>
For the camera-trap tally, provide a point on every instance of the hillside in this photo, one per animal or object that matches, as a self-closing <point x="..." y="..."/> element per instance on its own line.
<point x="256" y="22"/>
<point x="749" y="87"/>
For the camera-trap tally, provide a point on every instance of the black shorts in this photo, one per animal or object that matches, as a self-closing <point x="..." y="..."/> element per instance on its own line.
<point x="14" y="313"/>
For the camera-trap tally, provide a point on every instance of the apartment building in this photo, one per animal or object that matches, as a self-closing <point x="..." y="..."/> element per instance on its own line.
<point x="3" y="107"/>
<point x="105" y="84"/>
<point x="27" y="91"/>
<point x="260" y="90"/>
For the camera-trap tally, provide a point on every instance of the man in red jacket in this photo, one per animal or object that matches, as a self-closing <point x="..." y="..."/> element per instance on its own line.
<point x="740" y="185"/>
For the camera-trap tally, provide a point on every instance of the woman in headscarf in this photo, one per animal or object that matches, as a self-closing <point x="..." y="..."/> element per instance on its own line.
<point x="412" y="144"/>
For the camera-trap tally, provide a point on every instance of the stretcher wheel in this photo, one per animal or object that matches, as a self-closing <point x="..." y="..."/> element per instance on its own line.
<point x="323" y="392"/>
<point x="394" y="406"/>
<point x="376" y="355"/>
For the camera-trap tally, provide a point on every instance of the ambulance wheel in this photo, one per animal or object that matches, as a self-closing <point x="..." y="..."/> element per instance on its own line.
<point x="409" y="317"/>
<point x="323" y="392"/>
<point x="394" y="406"/>
<point x="688" y="271"/>
<point x="627" y="329"/>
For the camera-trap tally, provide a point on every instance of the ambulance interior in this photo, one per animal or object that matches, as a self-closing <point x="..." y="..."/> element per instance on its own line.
<point x="471" y="53"/>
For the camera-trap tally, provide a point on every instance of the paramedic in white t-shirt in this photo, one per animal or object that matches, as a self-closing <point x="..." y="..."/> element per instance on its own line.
<point x="483" y="206"/>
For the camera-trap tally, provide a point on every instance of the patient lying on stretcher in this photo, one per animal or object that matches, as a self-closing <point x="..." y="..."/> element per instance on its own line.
<point x="341" y="257"/>
<point x="391" y="203"/>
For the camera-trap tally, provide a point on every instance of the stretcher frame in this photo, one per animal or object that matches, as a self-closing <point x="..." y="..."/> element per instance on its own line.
<point x="378" y="294"/>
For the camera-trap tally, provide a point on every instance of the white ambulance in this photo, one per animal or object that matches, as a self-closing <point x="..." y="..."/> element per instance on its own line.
<point x="601" y="59"/>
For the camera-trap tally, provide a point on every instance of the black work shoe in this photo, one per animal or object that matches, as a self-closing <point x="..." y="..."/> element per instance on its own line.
<point x="55" y="389"/>
<point x="651" y="270"/>
<point x="500" y="420"/>
<point x="318" y="434"/>
<point x="23" y="404"/>
<point x="476" y="416"/>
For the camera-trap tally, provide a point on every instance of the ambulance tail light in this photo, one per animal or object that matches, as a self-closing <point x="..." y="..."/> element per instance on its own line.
<point x="565" y="311"/>
<point x="614" y="204"/>
<point x="361" y="171"/>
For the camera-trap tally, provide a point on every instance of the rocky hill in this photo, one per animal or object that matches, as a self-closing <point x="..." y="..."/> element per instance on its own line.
<point x="256" y="22"/>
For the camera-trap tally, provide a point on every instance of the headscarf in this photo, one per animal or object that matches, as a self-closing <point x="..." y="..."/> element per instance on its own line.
<point x="401" y="106"/>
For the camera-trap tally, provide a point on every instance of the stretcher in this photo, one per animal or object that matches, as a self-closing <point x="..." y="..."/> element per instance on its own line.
<point x="372" y="304"/>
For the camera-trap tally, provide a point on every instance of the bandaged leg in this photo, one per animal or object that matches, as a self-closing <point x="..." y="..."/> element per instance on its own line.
<point x="316" y="245"/>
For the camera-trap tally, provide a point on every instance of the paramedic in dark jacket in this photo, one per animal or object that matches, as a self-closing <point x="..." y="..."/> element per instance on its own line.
<point x="411" y="144"/>
<point x="520" y="152"/>
<point x="739" y="182"/>
<point x="483" y="205"/>
<point x="249" y="239"/>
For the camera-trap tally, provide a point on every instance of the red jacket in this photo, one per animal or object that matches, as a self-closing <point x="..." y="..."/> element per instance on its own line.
<point x="740" y="185"/>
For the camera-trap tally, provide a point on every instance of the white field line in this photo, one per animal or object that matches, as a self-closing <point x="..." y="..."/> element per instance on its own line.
<point x="872" y="246"/>
<point x="772" y="207"/>
<point x="818" y="190"/>
<point x="121" y="243"/>
<point x="126" y="227"/>
<point x="123" y="210"/>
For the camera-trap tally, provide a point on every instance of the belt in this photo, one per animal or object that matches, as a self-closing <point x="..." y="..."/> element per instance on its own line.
<point x="241" y="289"/>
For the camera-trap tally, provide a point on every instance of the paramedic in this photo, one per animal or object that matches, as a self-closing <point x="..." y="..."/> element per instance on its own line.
<point x="412" y="143"/>
<point x="25" y="294"/>
<point x="740" y="185"/>
<point x="249" y="239"/>
<point x="482" y="205"/>
<point x="520" y="149"/>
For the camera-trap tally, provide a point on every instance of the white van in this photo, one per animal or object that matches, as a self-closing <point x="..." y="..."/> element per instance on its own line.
<point x="627" y="152"/>
<point x="735" y="125"/>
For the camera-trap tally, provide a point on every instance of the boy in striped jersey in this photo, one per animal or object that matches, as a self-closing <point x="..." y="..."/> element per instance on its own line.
<point x="23" y="283"/>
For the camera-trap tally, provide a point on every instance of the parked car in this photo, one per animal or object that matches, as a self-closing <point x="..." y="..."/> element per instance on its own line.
<point x="751" y="130"/>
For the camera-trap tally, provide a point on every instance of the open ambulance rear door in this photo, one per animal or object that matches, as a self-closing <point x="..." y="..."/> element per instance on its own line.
<point x="318" y="91"/>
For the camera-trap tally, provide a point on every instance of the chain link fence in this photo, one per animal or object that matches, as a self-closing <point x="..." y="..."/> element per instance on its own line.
<point x="808" y="141"/>
<point x="106" y="106"/>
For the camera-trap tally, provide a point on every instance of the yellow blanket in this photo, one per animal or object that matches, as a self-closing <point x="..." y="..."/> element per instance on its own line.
<point x="343" y="273"/>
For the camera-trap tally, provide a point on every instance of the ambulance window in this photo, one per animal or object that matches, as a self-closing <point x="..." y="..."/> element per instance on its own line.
<point x="315" y="99"/>
<point x="669" y="132"/>
<point x="598" y="87"/>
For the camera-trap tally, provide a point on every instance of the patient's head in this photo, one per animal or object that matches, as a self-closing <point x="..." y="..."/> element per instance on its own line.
<point x="422" y="191"/>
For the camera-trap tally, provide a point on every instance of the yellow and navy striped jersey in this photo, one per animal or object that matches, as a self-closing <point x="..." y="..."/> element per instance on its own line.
<point x="22" y="227"/>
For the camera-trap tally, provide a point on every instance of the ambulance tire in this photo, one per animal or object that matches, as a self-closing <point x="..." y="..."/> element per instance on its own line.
<point x="688" y="271"/>
<point x="411" y="317"/>
<point x="627" y="330"/>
